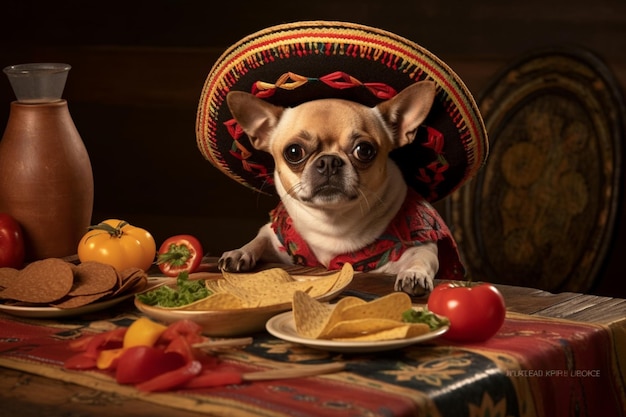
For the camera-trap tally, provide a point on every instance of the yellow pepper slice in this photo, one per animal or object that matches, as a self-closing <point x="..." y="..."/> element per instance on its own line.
<point x="106" y="358"/>
<point x="143" y="332"/>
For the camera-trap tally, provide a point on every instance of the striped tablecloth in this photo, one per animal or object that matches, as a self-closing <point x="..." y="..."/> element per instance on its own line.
<point x="533" y="367"/>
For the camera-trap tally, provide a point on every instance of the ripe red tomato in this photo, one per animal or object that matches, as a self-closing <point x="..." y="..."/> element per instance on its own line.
<point x="11" y="242"/>
<point x="179" y="253"/>
<point x="476" y="312"/>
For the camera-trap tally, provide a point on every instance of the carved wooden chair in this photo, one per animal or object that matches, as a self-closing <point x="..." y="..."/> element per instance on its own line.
<point x="543" y="210"/>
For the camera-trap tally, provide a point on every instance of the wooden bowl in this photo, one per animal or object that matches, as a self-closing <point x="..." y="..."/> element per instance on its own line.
<point x="226" y="323"/>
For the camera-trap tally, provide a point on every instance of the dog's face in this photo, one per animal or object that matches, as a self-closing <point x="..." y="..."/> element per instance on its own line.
<point x="332" y="152"/>
<point x="327" y="151"/>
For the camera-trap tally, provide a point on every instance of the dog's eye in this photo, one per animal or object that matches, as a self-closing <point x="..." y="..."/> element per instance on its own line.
<point x="364" y="152"/>
<point x="294" y="153"/>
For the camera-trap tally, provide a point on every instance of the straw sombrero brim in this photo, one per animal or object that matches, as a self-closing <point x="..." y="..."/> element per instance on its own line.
<point x="293" y="63"/>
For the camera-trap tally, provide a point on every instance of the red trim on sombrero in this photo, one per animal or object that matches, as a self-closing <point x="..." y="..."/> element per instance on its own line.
<point x="337" y="39"/>
<point x="433" y="70"/>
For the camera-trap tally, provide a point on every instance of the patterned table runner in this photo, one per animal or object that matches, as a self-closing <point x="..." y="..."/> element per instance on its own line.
<point x="532" y="367"/>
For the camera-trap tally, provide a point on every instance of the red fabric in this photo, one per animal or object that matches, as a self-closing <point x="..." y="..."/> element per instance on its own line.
<point x="416" y="223"/>
<point x="570" y="368"/>
<point x="533" y="367"/>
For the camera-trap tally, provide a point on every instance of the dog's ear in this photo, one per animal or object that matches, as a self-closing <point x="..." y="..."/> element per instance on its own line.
<point x="406" y="111"/>
<point x="256" y="117"/>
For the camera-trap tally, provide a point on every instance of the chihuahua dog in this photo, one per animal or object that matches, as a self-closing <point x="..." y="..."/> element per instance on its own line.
<point x="339" y="190"/>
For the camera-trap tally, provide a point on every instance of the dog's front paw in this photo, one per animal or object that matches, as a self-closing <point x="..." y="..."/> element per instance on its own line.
<point x="416" y="283"/>
<point x="236" y="261"/>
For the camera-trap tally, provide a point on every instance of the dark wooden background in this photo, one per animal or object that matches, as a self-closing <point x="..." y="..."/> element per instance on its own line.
<point x="138" y="68"/>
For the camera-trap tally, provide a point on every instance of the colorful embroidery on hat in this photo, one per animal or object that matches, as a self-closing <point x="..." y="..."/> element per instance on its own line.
<point x="343" y="58"/>
<point x="431" y="175"/>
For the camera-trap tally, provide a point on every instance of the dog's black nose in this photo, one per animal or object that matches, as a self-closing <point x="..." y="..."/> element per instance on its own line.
<point x="328" y="165"/>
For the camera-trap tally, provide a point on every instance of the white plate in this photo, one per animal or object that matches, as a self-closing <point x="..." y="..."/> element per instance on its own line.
<point x="283" y="327"/>
<point x="54" y="312"/>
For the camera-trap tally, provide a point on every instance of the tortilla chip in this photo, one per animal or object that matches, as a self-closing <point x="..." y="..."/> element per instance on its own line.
<point x="344" y="277"/>
<point x="355" y="319"/>
<point x="404" y="331"/>
<point x="270" y="276"/>
<point x="358" y="327"/>
<point x="276" y="287"/>
<point x="249" y="299"/>
<point x="270" y="287"/>
<point x="311" y="317"/>
<point x="390" y="306"/>
<point x="260" y="289"/>
<point x="217" y="301"/>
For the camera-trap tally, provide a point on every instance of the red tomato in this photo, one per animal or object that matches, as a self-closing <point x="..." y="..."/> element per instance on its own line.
<point x="11" y="243"/>
<point x="476" y="312"/>
<point x="179" y="253"/>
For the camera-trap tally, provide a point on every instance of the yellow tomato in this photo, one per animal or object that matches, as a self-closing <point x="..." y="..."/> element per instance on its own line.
<point x="117" y="243"/>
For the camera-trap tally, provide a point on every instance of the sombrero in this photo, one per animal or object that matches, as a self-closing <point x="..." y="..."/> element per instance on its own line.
<point x="296" y="62"/>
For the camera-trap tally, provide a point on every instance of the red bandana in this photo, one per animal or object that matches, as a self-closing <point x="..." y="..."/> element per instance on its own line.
<point x="416" y="223"/>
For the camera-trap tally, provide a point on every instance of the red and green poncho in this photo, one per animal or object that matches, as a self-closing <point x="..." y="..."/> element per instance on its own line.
<point x="416" y="223"/>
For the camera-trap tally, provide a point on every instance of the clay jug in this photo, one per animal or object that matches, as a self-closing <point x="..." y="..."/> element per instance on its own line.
<point x="46" y="179"/>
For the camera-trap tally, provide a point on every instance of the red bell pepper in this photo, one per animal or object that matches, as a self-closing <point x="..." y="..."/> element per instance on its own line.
<point x="171" y="379"/>
<point x="188" y="329"/>
<point x="179" y="253"/>
<point x="89" y="348"/>
<point x="142" y="363"/>
<point x="215" y="378"/>
<point x="153" y="363"/>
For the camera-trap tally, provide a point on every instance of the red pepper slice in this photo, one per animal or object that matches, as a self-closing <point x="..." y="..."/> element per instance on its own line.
<point x="179" y="253"/>
<point x="171" y="379"/>
<point x="93" y="344"/>
<point x="181" y="347"/>
<point x="171" y="362"/>
<point x="80" y="361"/>
<point x="188" y="329"/>
<point x="142" y="363"/>
<point x="90" y="347"/>
<point x="215" y="378"/>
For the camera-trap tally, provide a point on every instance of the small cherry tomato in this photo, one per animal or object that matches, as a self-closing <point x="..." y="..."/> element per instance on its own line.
<point x="11" y="242"/>
<point x="476" y="311"/>
<point x="180" y="253"/>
